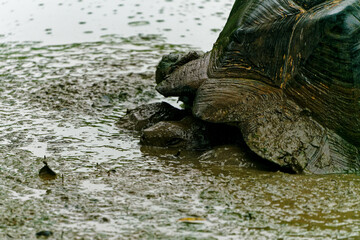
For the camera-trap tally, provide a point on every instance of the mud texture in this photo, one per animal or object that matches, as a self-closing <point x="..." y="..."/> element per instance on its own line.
<point x="110" y="187"/>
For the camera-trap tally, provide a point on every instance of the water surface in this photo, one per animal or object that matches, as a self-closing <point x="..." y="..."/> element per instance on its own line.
<point x="67" y="21"/>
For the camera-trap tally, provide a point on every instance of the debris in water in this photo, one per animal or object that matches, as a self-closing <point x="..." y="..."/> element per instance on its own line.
<point x="192" y="220"/>
<point x="111" y="171"/>
<point x="46" y="173"/>
<point x="44" y="234"/>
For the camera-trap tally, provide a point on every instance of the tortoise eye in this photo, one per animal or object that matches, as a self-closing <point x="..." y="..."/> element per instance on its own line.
<point x="174" y="141"/>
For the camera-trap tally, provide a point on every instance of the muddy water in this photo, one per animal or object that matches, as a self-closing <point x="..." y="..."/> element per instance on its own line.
<point x="63" y="101"/>
<point x="68" y="21"/>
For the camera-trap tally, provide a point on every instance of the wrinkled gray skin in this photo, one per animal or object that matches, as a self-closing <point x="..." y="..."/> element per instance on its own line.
<point x="163" y="125"/>
<point x="146" y="116"/>
<point x="285" y="73"/>
<point x="189" y="133"/>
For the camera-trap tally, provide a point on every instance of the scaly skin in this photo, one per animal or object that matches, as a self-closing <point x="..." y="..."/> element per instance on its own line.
<point x="287" y="73"/>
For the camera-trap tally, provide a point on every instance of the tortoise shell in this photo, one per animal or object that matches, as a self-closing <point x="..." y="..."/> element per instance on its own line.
<point x="287" y="73"/>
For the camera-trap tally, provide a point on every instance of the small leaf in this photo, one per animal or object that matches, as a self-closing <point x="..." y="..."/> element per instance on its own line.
<point x="193" y="220"/>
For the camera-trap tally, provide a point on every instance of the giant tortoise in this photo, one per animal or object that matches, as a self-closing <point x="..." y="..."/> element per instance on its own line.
<point x="287" y="74"/>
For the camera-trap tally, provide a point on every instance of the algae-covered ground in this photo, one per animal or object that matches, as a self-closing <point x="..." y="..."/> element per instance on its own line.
<point x="63" y="101"/>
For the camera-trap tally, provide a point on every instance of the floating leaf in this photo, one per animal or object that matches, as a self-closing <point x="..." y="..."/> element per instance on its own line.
<point x="193" y="220"/>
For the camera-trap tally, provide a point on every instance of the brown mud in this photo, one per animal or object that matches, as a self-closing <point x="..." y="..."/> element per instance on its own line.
<point x="63" y="102"/>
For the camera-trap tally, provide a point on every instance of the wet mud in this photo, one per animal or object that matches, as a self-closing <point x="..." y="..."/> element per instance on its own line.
<point x="64" y="102"/>
<point x="110" y="188"/>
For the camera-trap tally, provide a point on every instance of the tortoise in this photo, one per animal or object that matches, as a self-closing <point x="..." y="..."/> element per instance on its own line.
<point x="287" y="74"/>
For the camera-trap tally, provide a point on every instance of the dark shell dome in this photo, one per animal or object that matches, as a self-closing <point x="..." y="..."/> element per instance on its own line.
<point x="311" y="49"/>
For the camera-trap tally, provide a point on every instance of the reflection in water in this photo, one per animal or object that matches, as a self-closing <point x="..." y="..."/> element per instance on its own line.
<point x="63" y="102"/>
<point x="68" y="21"/>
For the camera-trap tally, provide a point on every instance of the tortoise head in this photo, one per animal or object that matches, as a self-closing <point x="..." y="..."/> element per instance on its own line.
<point x="166" y="66"/>
<point x="171" y="62"/>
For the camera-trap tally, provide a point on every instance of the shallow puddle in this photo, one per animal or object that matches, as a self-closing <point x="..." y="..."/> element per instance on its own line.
<point x="67" y="21"/>
<point x="64" y="100"/>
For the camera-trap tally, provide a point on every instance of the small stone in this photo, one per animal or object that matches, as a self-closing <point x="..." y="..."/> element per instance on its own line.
<point x="44" y="234"/>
